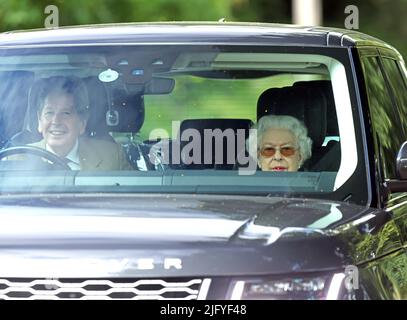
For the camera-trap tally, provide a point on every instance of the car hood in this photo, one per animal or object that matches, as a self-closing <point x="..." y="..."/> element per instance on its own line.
<point x="168" y="235"/>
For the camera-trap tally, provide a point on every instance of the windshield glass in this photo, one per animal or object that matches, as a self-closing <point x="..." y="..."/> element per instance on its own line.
<point x="188" y="119"/>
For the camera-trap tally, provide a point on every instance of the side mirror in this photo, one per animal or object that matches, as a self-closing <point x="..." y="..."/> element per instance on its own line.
<point x="399" y="184"/>
<point x="401" y="162"/>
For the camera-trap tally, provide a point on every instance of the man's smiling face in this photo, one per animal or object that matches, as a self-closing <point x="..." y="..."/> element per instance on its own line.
<point x="59" y="123"/>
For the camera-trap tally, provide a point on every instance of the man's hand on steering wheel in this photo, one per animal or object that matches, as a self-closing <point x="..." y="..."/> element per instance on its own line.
<point x="39" y="152"/>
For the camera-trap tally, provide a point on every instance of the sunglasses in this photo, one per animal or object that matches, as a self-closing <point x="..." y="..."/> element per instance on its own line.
<point x="271" y="151"/>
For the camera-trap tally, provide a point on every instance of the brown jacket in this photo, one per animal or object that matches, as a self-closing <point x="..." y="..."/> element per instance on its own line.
<point x="98" y="154"/>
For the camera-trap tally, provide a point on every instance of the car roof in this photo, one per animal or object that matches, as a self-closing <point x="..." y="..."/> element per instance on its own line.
<point x="190" y="32"/>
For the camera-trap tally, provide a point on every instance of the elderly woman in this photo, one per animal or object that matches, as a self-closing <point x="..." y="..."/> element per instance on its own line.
<point x="282" y="143"/>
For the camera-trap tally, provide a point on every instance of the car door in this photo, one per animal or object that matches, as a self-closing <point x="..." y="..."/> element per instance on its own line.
<point x="397" y="85"/>
<point x="387" y="111"/>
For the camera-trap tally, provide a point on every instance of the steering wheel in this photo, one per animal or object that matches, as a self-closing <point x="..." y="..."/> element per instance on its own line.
<point x="39" y="152"/>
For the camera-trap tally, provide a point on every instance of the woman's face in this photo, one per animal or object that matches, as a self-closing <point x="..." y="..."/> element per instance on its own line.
<point x="279" y="151"/>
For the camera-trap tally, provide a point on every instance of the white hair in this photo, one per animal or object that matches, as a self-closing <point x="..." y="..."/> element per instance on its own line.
<point x="295" y="126"/>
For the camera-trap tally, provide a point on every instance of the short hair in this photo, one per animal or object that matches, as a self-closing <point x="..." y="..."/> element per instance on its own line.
<point x="290" y="123"/>
<point x="69" y="85"/>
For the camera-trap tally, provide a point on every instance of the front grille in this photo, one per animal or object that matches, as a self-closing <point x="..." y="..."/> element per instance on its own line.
<point x="105" y="289"/>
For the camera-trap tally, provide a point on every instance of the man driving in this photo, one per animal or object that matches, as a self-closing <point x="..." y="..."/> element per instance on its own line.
<point x="62" y="117"/>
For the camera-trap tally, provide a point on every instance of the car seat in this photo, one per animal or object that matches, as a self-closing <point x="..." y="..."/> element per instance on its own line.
<point x="309" y="104"/>
<point x="14" y="90"/>
<point x="332" y="150"/>
<point x="212" y="124"/>
<point x="126" y="115"/>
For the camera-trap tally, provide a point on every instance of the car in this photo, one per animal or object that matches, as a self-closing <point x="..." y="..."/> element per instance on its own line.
<point x="195" y="214"/>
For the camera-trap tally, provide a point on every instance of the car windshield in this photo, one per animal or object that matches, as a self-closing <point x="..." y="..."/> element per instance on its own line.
<point x="180" y="119"/>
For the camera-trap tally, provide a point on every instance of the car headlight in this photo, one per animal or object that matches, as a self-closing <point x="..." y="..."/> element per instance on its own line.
<point x="296" y="288"/>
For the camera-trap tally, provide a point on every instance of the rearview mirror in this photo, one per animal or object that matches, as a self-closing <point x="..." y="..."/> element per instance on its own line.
<point x="159" y="86"/>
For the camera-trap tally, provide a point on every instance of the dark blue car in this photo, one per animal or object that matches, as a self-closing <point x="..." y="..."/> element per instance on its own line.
<point x="147" y="173"/>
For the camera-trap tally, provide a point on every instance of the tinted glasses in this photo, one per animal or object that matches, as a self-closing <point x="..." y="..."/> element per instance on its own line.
<point x="271" y="151"/>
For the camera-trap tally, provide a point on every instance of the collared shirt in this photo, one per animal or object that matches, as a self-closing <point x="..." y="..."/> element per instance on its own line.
<point x="72" y="157"/>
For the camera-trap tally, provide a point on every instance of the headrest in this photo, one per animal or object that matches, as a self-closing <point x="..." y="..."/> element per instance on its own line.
<point x="14" y="88"/>
<point x="31" y="119"/>
<point x="306" y="104"/>
<point x="201" y="124"/>
<point x="326" y="87"/>
<point x="98" y="104"/>
<point x="126" y="113"/>
<point x="223" y="124"/>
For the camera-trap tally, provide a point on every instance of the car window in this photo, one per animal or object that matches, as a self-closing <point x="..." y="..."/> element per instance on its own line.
<point x="387" y="121"/>
<point x="398" y="86"/>
<point x="200" y="98"/>
<point x="403" y="70"/>
<point x="178" y="119"/>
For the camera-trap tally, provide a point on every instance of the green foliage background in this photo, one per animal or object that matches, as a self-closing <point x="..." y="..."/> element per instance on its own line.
<point x="382" y="18"/>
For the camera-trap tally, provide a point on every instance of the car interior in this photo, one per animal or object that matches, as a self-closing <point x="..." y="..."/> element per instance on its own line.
<point x="118" y="108"/>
